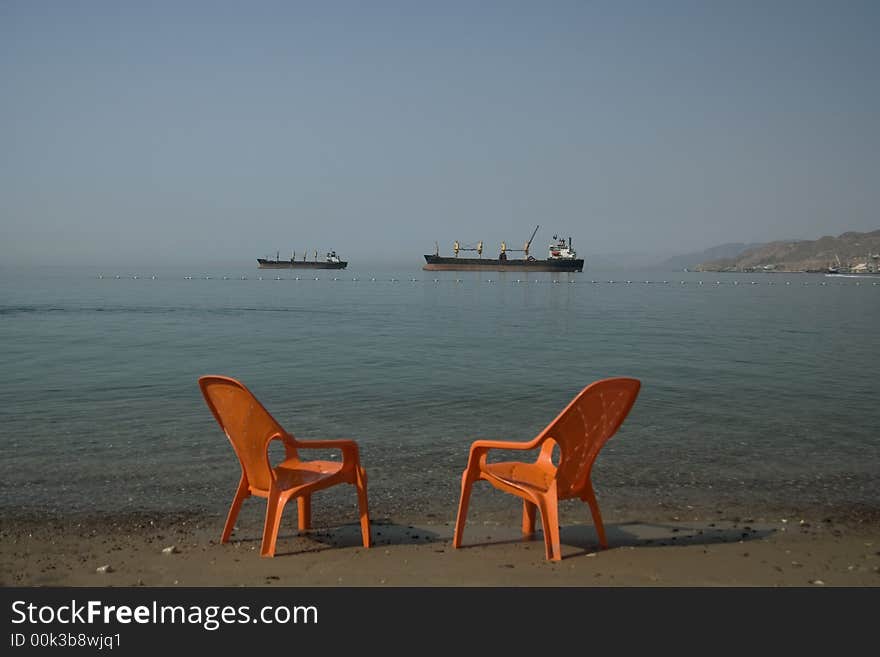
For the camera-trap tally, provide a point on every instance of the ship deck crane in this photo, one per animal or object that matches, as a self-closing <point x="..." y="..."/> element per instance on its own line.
<point x="526" y="246"/>
<point x="456" y="247"/>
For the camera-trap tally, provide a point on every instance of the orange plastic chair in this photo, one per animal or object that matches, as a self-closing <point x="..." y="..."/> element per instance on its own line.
<point x="250" y="428"/>
<point x="580" y="431"/>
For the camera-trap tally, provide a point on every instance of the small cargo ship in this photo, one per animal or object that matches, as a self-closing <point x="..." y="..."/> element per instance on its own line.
<point x="330" y="261"/>
<point x="561" y="257"/>
<point x="870" y="266"/>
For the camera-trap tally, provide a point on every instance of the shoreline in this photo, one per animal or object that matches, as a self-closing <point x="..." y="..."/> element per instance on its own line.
<point x="670" y="548"/>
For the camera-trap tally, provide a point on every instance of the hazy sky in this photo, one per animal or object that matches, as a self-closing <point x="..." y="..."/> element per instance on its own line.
<point x="157" y="132"/>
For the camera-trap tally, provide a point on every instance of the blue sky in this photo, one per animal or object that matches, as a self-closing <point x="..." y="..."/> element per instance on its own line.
<point x="167" y="132"/>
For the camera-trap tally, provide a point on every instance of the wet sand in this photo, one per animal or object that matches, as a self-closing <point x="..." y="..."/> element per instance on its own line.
<point x="667" y="548"/>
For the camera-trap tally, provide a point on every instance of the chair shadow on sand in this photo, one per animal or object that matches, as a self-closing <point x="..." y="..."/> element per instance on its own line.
<point x="333" y="537"/>
<point x="584" y="540"/>
<point x="577" y="539"/>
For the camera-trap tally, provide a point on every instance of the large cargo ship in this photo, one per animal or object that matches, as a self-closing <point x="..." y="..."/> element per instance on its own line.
<point x="330" y="261"/>
<point x="561" y="257"/>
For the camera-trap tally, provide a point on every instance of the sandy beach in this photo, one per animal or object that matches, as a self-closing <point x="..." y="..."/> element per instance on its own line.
<point x="668" y="549"/>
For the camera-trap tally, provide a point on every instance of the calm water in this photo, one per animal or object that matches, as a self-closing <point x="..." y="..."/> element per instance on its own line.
<point x="758" y="392"/>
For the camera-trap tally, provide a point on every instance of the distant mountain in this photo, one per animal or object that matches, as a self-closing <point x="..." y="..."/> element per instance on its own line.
<point x="846" y="250"/>
<point x="693" y="260"/>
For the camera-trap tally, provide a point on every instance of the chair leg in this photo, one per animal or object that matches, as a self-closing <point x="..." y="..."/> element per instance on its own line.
<point x="528" y="519"/>
<point x="590" y="497"/>
<point x="274" y="508"/>
<point x="240" y="495"/>
<point x="361" y="485"/>
<point x="550" y="522"/>
<point x="467" y="482"/>
<point x="304" y="512"/>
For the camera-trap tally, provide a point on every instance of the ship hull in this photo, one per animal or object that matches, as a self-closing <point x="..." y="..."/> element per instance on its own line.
<point x="262" y="263"/>
<point x="440" y="263"/>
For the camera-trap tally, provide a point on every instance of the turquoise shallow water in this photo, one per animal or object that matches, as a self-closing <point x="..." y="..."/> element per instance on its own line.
<point x="759" y="391"/>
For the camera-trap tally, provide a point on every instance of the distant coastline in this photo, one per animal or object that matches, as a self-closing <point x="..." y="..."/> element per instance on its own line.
<point x="849" y="252"/>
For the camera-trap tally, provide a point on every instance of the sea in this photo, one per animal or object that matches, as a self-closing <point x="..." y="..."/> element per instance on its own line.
<point x="760" y="392"/>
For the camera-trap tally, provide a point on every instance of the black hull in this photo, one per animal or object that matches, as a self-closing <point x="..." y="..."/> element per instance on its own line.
<point x="262" y="263"/>
<point x="439" y="263"/>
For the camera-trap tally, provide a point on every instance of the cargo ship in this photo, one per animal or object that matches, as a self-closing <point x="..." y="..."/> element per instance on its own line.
<point x="330" y="261"/>
<point x="561" y="257"/>
<point x="869" y="267"/>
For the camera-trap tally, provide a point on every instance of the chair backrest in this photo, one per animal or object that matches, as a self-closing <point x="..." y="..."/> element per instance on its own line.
<point x="585" y="425"/>
<point x="247" y="424"/>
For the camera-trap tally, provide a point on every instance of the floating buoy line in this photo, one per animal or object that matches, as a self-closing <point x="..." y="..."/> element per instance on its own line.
<point x="518" y="281"/>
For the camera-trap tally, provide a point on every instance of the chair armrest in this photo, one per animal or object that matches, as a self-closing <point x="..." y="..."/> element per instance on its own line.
<point x="349" y="447"/>
<point x="480" y="448"/>
<point x="545" y="457"/>
<point x="287" y="440"/>
<point x="503" y="444"/>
